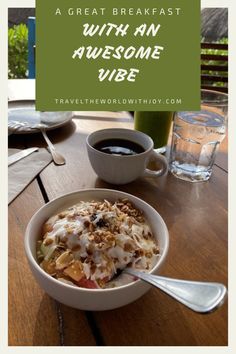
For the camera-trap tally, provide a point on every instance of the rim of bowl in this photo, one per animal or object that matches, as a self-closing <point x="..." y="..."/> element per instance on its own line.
<point x="219" y="93"/>
<point x="33" y="261"/>
<point x="122" y="129"/>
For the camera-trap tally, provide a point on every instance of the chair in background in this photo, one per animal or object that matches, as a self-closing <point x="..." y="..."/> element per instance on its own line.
<point x="31" y="47"/>
<point x="214" y="67"/>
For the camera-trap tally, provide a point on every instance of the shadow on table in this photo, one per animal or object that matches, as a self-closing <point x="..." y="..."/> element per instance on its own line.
<point x="222" y="160"/>
<point x="46" y="331"/>
<point x="142" y="326"/>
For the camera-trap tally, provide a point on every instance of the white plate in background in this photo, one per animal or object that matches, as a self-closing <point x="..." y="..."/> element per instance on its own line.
<point x="23" y="118"/>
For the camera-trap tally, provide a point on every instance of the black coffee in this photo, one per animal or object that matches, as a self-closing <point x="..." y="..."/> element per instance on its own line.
<point x="119" y="147"/>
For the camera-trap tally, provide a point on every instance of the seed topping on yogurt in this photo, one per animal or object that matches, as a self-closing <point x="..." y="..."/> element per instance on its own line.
<point x="90" y="243"/>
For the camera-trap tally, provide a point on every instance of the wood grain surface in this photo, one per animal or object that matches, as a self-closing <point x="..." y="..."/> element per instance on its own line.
<point x="196" y="216"/>
<point x="34" y="317"/>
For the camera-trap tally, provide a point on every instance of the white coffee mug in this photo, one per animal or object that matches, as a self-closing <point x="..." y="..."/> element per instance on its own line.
<point x="119" y="169"/>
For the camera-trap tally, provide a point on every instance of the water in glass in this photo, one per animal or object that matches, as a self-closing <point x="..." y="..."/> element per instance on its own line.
<point x="196" y="137"/>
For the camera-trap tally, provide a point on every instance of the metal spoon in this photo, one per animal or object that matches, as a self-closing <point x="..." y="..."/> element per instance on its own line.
<point x="199" y="296"/>
<point x="57" y="158"/>
<point x="14" y="126"/>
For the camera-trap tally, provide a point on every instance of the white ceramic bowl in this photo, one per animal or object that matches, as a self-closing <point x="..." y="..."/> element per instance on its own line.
<point x="92" y="299"/>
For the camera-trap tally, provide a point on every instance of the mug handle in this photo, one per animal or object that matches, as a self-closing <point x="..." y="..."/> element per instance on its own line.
<point x="160" y="158"/>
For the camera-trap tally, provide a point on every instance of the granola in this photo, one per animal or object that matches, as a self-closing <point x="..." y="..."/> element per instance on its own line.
<point x="88" y="244"/>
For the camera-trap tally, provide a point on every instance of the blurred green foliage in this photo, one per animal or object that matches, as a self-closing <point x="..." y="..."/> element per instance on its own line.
<point x="212" y="62"/>
<point x="18" y="52"/>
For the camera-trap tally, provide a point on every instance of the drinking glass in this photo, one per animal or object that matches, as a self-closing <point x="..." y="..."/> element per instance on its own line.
<point x="197" y="136"/>
<point x="156" y="125"/>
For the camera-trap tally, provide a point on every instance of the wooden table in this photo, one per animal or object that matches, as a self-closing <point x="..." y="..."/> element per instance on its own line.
<point x="195" y="214"/>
